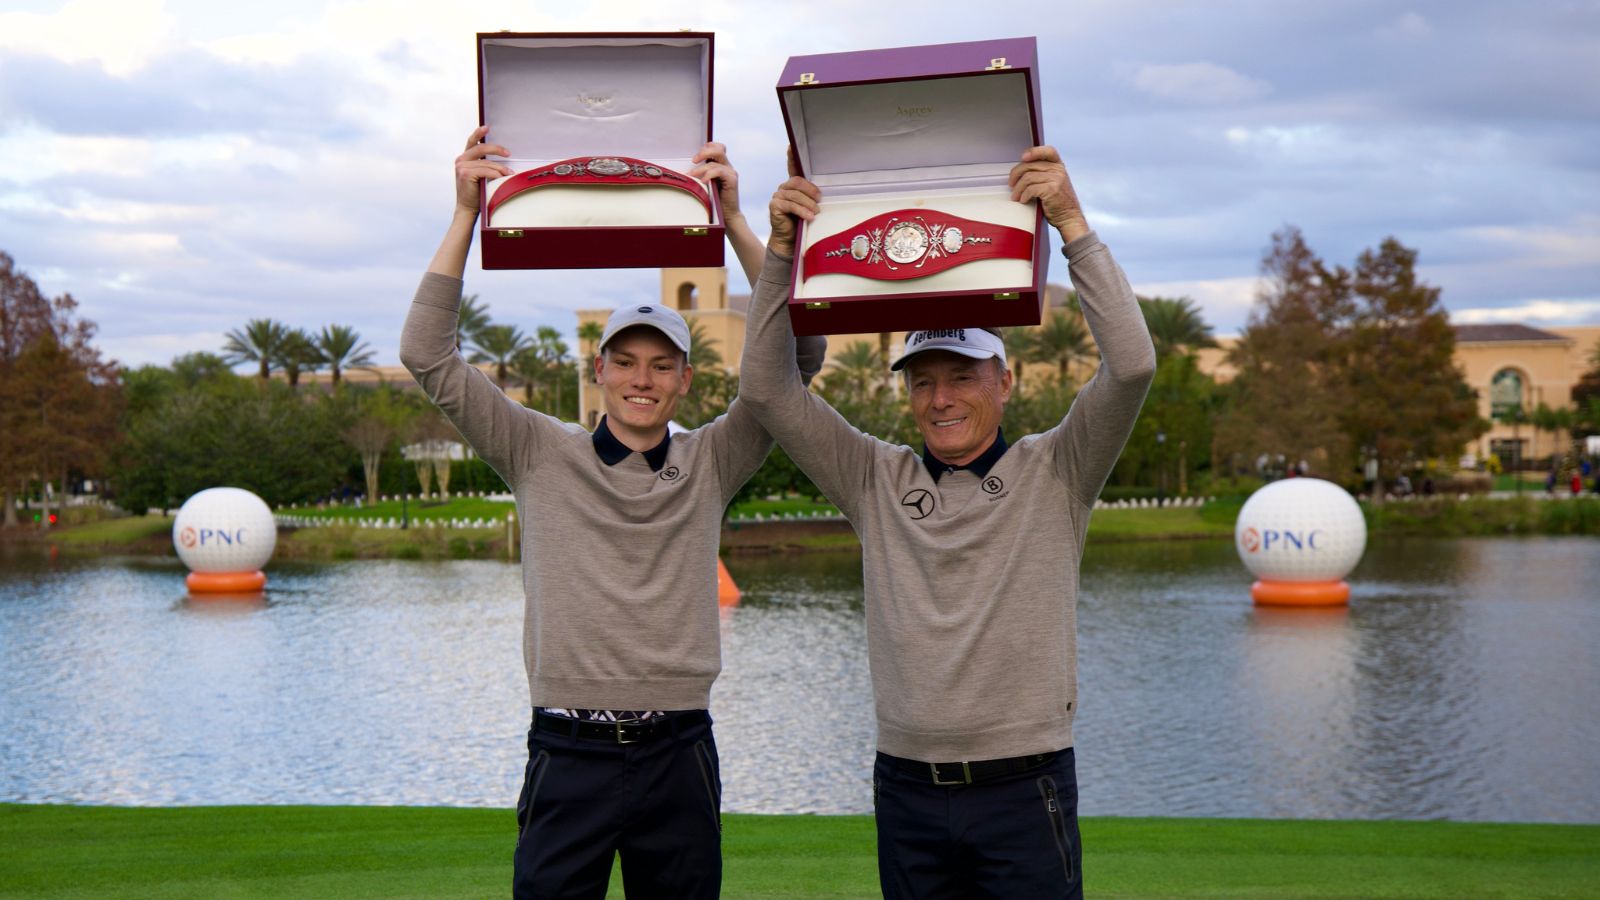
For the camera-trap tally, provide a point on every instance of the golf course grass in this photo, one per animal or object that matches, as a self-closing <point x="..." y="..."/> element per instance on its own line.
<point x="395" y="852"/>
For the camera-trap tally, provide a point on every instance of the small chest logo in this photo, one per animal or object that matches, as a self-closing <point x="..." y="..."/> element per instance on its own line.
<point x="918" y="503"/>
<point x="670" y="473"/>
<point x="993" y="485"/>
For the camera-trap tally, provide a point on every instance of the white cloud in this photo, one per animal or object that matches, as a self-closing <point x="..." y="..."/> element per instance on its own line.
<point x="1408" y="27"/>
<point x="121" y="35"/>
<point x="1200" y="83"/>
<point x="1226" y="302"/>
<point x="1548" y="312"/>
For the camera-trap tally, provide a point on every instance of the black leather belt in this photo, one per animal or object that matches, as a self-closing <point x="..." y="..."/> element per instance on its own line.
<point x="959" y="773"/>
<point x="628" y="731"/>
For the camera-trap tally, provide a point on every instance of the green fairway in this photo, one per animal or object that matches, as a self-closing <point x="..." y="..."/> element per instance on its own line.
<point x="352" y="852"/>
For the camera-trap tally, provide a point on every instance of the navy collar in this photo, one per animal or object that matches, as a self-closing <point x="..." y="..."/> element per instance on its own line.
<point x="979" y="467"/>
<point x="612" y="451"/>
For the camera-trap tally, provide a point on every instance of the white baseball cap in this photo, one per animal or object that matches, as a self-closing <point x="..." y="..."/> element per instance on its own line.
<point x="977" y="343"/>
<point x="663" y="319"/>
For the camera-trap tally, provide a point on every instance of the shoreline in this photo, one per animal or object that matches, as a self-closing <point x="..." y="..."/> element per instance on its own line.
<point x="1437" y="517"/>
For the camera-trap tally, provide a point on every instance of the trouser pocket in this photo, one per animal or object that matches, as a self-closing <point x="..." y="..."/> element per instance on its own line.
<point x="537" y="766"/>
<point x="709" y="773"/>
<point x="1058" y="823"/>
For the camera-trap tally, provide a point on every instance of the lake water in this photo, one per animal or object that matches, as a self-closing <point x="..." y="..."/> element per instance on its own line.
<point x="1463" y="682"/>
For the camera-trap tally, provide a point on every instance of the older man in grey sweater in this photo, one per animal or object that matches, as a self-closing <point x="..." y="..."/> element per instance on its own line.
<point x="619" y="549"/>
<point x="971" y="552"/>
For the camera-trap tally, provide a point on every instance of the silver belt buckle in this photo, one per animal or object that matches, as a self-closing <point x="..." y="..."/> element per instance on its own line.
<point x="620" y="723"/>
<point x="966" y="775"/>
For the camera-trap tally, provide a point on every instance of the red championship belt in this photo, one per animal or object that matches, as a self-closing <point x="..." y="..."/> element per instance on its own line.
<point x="598" y="170"/>
<point x="913" y="243"/>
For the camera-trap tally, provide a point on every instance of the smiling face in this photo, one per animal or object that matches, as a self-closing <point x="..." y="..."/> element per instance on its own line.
<point x="957" y="402"/>
<point x="642" y="376"/>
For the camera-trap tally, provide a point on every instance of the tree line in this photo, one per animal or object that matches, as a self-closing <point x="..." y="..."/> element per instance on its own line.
<point x="1346" y="368"/>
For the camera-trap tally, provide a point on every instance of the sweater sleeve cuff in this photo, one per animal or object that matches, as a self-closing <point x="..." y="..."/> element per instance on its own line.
<point x="1081" y="247"/>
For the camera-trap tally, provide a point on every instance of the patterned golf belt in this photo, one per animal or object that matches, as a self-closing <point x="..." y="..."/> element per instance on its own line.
<point x="913" y="243"/>
<point x="598" y="170"/>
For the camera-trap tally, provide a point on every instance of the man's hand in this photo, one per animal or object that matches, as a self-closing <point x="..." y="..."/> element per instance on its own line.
<point x="711" y="164"/>
<point x="472" y="170"/>
<point x="1043" y="177"/>
<point x="795" y="199"/>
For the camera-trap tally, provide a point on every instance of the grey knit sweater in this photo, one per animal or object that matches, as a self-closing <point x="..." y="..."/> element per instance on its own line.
<point x="971" y="583"/>
<point x="619" y="563"/>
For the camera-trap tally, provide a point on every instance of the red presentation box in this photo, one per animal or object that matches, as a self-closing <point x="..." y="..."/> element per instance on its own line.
<point x="600" y="126"/>
<point x="912" y="148"/>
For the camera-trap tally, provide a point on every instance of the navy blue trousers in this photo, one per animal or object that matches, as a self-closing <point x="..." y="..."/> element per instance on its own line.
<point x="1013" y="837"/>
<point x="656" y="804"/>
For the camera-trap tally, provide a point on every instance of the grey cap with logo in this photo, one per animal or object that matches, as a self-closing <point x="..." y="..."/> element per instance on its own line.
<point x="977" y="343"/>
<point x="661" y="318"/>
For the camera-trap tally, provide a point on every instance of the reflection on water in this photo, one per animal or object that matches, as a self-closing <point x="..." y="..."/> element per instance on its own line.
<point x="1460" y="683"/>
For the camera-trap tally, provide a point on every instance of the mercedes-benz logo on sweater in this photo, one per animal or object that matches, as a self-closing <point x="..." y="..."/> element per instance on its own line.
<point x="918" y="503"/>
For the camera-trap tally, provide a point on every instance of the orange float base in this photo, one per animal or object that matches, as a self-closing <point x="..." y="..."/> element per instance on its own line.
<point x="1300" y="593"/>
<point x="727" y="592"/>
<point x="225" y="582"/>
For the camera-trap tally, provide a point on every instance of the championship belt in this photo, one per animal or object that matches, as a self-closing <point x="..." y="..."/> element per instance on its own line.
<point x="913" y="243"/>
<point x="599" y="170"/>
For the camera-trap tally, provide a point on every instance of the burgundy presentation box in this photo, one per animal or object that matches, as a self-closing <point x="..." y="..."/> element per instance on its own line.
<point x="601" y="128"/>
<point x="912" y="149"/>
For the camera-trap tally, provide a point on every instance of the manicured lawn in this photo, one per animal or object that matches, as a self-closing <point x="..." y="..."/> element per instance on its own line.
<point x="125" y="530"/>
<point x="225" y="852"/>
<point x="1146" y="524"/>
<point x="454" y="508"/>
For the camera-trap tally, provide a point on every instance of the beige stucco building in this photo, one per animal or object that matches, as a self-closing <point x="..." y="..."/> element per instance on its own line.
<point x="1511" y="367"/>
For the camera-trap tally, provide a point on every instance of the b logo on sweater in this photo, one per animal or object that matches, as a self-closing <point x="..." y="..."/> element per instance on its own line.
<point x="993" y="485"/>
<point x="670" y="473"/>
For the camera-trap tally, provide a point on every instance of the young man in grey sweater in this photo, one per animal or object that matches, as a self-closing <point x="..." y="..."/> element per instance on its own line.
<point x="619" y="544"/>
<point x="970" y="551"/>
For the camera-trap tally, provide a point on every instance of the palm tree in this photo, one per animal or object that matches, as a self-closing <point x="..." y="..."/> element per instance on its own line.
<point x="590" y="334"/>
<point x="1061" y="339"/>
<point x="257" y="342"/>
<point x="472" y="318"/>
<point x="1175" y="324"/>
<point x="498" y="344"/>
<point x="529" y="369"/>
<point x="702" y="356"/>
<point x="856" y="369"/>
<point x="1020" y="348"/>
<point x="552" y="352"/>
<point x="297" y="353"/>
<point x="342" y="349"/>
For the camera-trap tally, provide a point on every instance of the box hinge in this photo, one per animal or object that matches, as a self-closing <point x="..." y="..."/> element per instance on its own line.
<point x="999" y="62"/>
<point x="823" y="305"/>
<point x="807" y="78"/>
<point x="696" y="231"/>
<point x="1008" y="295"/>
<point x="510" y="232"/>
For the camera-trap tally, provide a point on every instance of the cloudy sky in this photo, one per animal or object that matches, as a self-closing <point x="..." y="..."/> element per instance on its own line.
<point x="183" y="166"/>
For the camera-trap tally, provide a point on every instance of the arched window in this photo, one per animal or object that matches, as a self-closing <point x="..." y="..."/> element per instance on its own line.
<point x="688" y="297"/>
<point x="1505" y="394"/>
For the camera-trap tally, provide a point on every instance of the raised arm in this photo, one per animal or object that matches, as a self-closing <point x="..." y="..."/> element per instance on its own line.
<point x="499" y="429"/>
<point x="711" y="164"/>
<point x="834" y="455"/>
<point x="1091" y="437"/>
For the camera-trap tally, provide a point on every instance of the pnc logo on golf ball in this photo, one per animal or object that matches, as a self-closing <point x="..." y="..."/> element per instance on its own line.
<point x="1301" y="537"/>
<point x="224" y="535"/>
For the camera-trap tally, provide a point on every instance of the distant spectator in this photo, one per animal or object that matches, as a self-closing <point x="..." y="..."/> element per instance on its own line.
<point x="1577" y="484"/>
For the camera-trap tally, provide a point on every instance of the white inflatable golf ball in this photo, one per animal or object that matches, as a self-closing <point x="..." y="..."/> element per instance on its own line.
<point x="224" y="529"/>
<point x="1300" y="529"/>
